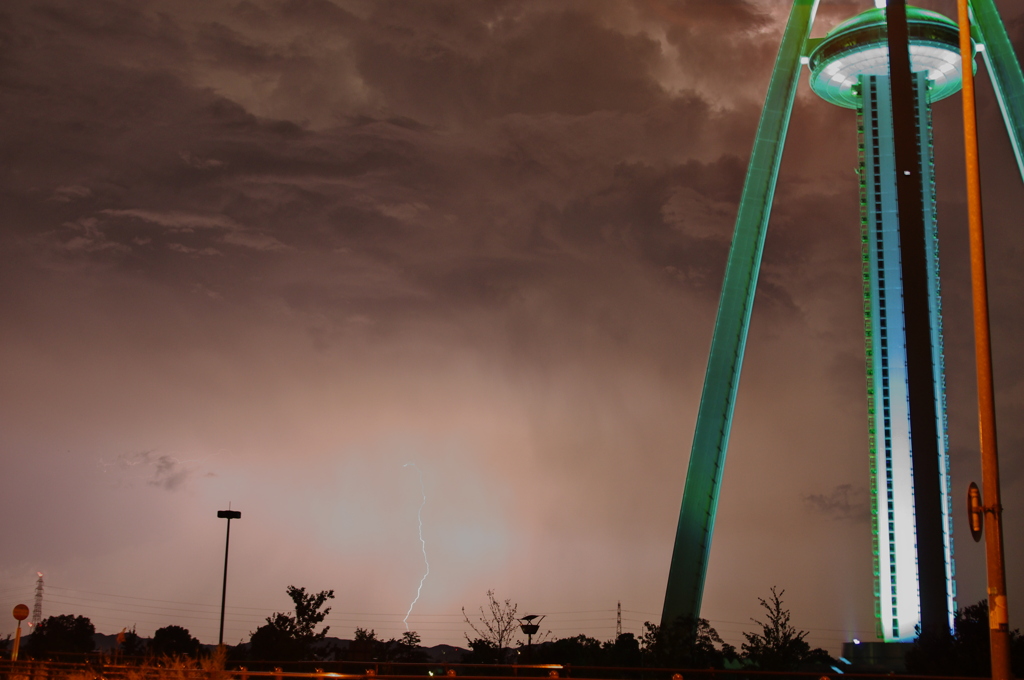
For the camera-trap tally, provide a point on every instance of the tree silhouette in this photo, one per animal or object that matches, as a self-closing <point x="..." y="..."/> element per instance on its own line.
<point x="686" y="644"/>
<point x="481" y="651"/>
<point x="622" y="651"/>
<point x="497" y="628"/>
<point x="365" y="646"/>
<point x="405" y="649"/>
<point x="307" y="612"/>
<point x="965" y="652"/>
<point x="580" y="650"/>
<point x="290" y="637"/>
<point x="779" y="646"/>
<point x="173" y="641"/>
<point x="64" y="633"/>
<point x="130" y="644"/>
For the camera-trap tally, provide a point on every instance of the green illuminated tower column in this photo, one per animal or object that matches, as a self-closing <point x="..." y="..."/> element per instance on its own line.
<point x="850" y="68"/>
<point x="714" y="418"/>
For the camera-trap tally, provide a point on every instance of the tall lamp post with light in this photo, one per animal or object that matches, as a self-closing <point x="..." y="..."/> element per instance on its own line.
<point x="228" y="515"/>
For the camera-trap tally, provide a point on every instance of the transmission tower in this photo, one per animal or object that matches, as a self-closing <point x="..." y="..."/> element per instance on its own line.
<point x="618" y="621"/>
<point x="37" y="610"/>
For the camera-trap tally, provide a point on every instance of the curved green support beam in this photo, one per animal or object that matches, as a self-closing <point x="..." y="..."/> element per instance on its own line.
<point x="1004" y="70"/>
<point x="714" y="417"/>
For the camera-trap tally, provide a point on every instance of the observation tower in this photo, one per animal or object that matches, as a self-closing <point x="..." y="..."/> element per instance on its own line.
<point x="910" y="485"/>
<point x="850" y="68"/>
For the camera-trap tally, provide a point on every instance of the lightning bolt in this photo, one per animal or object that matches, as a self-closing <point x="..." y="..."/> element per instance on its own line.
<point x="423" y="545"/>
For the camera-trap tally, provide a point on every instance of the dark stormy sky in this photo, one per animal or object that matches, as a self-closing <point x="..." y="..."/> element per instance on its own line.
<point x="269" y="252"/>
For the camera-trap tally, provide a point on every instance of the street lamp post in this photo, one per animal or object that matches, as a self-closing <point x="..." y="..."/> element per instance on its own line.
<point x="228" y="515"/>
<point x="530" y="624"/>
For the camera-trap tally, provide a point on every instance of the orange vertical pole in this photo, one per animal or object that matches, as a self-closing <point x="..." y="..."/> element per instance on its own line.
<point x="999" y="634"/>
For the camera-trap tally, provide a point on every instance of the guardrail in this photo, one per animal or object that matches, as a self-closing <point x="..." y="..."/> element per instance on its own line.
<point x="170" y="669"/>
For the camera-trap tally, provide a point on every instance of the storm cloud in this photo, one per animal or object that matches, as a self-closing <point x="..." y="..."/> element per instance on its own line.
<point x="307" y="242"/>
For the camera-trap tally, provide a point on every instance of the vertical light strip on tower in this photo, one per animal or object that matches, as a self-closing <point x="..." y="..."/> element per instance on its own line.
<point x="898" y="605"/>
<point x="850" y="68"/>
<point x="714" y="417"/>
<point x="891" y="466"/>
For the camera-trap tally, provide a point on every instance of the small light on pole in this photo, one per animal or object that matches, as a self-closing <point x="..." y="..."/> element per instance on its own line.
<point x="530" y="624"/>
<point x="228" y="515"/>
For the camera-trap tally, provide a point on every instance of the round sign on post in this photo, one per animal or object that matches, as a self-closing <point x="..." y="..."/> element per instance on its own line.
<point x="20" y="613"/>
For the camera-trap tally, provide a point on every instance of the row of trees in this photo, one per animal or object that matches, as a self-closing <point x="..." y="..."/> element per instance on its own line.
<point x="686" y="644"/>
<point x="965" y="652"/>
<point x="292" y="636"/>
<point x="777" y="646"/>
<point x="67" y="634"/>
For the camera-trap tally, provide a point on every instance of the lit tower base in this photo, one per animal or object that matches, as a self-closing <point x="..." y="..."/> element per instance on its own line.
<point x="850" y="68"/>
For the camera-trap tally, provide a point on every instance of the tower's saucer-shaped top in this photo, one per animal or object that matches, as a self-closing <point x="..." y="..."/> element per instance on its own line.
<point x="858" y="47"/>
